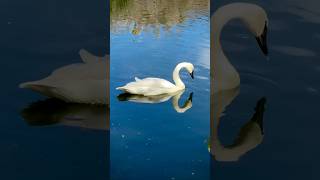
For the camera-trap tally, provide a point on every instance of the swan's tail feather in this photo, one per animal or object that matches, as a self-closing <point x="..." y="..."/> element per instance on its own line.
<point x="88" y="57"/>
<point x="137" y="79"/>
<point x="121" y="88"/>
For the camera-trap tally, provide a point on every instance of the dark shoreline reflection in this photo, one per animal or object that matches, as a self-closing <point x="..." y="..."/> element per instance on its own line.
<point x="159" y="99"/>
<point x="144" y="15"/>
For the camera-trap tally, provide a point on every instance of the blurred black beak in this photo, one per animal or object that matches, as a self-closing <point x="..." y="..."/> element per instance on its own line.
<point x="262" y="40"/>
<point x="191" y="74"/>
<point x="190" y="96"/>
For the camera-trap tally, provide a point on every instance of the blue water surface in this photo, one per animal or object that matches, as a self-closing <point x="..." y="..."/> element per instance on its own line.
<point x="153" y="141"/>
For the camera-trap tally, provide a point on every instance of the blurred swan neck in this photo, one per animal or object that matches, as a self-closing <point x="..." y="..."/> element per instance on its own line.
<point x="225" y="76"/>
<point x="223" y="15"/>
<point x="176" y="76"/>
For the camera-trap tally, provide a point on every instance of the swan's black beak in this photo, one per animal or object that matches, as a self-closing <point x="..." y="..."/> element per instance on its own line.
<point x="262" y="40"/>
<point x="191" y="74"/>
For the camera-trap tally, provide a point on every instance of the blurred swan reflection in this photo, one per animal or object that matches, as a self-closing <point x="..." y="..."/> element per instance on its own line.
<point x="54" y="111"/>
<point x="159" y="99"/>
<point x="250" y="135"/>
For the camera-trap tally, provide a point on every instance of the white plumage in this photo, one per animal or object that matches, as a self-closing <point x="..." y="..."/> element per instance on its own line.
<point x="78" y="83"/>
<point x="156" y="86"/>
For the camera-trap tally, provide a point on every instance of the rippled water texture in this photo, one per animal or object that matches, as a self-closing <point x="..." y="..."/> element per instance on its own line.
<point x="154" y="141"/>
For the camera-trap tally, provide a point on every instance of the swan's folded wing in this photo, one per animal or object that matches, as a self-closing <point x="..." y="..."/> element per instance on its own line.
<point x="148" y="86"/>
<point x="94" y="71"/>
<point x="87" y="57"/>
<point x="156" y="83"/>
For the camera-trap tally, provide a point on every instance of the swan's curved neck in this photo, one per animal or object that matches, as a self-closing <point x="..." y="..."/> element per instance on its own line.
<point x="224" y="75"/>
<point x="176" y="76"/>
<point x="223" y="15"/>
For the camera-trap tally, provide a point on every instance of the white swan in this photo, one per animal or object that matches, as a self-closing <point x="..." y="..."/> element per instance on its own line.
<point x="86" y="82"/>
<point x="159" y="99"/>
<point x="156" y="86"/>
<point x="255" y="18"/>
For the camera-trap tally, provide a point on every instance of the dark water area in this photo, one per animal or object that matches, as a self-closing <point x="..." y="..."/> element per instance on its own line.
<point x="289" y="80"/>
<point x="36" y="38"/>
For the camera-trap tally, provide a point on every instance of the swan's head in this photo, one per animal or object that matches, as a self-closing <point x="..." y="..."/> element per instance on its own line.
<point x="257" y="21"/>
<point x="189" y="67"/>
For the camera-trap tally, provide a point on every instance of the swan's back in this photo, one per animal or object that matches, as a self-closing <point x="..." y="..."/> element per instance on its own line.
<point x="79" y="83"/>
<point x="95" y="71"/>
<point x="148" y="86"/>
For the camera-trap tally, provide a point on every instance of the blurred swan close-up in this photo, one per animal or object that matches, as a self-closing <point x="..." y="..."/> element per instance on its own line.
<point x="85" y="82"/>
<point x="224" y="74"/>
<point x="225" y="80"/>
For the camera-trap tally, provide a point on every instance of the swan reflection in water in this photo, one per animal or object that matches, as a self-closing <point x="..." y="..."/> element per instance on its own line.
<point x="57" y="112"/>
<point x="159" y="99"/>
<point x="250" y="135"/>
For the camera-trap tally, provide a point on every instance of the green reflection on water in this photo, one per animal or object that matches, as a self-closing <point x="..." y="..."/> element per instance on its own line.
<point x="136" y="16"/>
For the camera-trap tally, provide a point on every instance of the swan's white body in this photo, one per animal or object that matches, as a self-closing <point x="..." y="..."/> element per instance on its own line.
<point x="156" y="86"/>
<point x="159" y="99"/>
<point x="77" y="83"/>
<point x="224" y="75"/>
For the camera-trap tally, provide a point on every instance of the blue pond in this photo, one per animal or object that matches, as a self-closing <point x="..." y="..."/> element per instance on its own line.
<point x="153" y="140"/>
